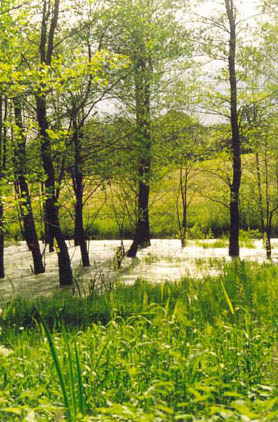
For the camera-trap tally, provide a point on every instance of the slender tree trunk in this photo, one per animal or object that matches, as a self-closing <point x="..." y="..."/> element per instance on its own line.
<point x="269" y="213"/>
<point x="50" y="14"/>
<point x="30" y="233"/>
<point x="235" y="147"/>
<point x="183" y="187"/>
<point x="2" y="148"/>
<point x="51" y="208"/>
<point x="142" y="230"/>
<point x="259" y="184"/>
<point x="268" y="247"/>
<point x="268" y="244"/>
<point x="47" y="237"/>
<point x="143" y="72"/>
<point x="79" y="233"/>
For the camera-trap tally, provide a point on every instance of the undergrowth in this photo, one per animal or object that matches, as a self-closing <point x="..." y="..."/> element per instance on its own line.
<point x="194" y="350"/>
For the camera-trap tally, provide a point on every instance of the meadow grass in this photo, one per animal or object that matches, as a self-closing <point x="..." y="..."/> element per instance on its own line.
<point x="206" y="215"/>
<point x="218" y="243"/>
<point x="193" y="350"/>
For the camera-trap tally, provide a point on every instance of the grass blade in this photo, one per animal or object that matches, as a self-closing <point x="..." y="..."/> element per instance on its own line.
<point x="71" y="376"/>
<point x="57" y="366"/>
<point x="228" y="300"/>
<point x="81" y="397"/>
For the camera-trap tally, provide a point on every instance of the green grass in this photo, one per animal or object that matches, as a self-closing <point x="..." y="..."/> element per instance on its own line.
<point x="218" y="243"/>
<point x="194" y="350"/>
<point x="206" y="218"/>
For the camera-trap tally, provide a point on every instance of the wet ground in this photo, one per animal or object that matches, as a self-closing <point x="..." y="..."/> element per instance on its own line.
<point x="163" y="260"/>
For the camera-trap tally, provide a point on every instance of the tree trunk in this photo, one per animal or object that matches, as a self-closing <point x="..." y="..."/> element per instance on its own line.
<point x="235" y="147"/>
<point x="183" y="187"/>
<point x="2" y="166"/>
<point x="30" y="233"/>
<point x="51" y="208"/>
<point x="184" y="227"/>
<point x="268" y="244"/>
<point x="142" y="231"/>
<point x="269" y="213"/>
<point x="47" y="237"/>
<point x="259" y="184"/>
<point x="143" y="73"/>
<point x="183" y="240"/>
<point x="79" y="233"/>
<point x="50" y="14"/>
<point x="268" y="248"/>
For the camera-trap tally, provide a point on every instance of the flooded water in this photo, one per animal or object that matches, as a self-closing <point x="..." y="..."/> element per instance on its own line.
<point x="163" y="260"/>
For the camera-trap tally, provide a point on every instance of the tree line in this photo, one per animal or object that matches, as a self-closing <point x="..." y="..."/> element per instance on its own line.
<point x="116" y="90"/>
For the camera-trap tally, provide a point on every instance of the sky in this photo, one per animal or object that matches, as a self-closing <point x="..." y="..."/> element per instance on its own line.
<point x="248" y="7"/>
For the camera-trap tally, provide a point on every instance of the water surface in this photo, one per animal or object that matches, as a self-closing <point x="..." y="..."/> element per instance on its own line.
<point x="163" y="260"/>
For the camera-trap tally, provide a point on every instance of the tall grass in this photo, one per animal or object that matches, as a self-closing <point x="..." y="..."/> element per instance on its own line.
<point x="194" y="350"/>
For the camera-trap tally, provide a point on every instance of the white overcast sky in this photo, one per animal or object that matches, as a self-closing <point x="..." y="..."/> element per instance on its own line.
<point x="247" y="7"/>
<point x="248" y="10"/>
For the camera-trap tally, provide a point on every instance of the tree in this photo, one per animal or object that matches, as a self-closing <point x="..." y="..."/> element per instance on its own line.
<point x="235" y="144"/>
<point x="225" y="101"/>
<point x="21" y="185"/>
<point x="179" y="145"/>
<point x="7" y="34"/>
<point x="50" y="14"/>
<point x="147" y="32"/>
<point x="102" y="72"/>
<point x="3" y="138"/>
<point x="261" y="128"/>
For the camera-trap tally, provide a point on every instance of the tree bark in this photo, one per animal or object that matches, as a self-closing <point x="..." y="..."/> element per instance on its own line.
<point x="235" y="147"/>
<point x="30" y="233"/>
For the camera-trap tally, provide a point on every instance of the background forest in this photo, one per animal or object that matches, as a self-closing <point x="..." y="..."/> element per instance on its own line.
<point x="136" y="119"/>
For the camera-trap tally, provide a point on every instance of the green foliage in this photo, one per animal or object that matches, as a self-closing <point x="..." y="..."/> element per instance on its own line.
<point x="246" y="238"/>
<point x="218" y="243"/>
<point x="199" y="232"/>
<point x="206" y="218"/>
<point x="193" y="350"/>
<point x="76" y="405"/>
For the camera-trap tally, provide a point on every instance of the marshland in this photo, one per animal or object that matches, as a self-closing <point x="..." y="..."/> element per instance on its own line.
<point x="138" y="211"/>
